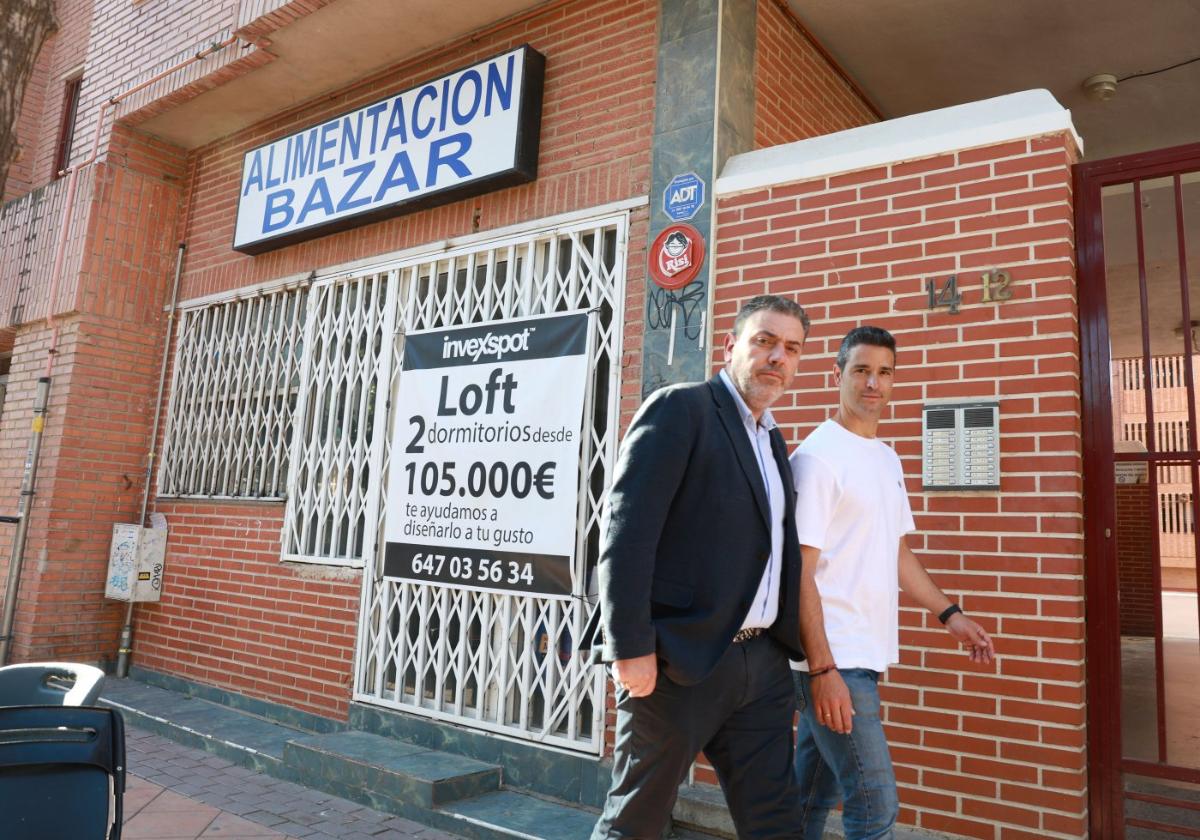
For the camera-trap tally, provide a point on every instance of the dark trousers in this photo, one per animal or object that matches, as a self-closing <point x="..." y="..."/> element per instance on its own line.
<point x="740" y="716"/>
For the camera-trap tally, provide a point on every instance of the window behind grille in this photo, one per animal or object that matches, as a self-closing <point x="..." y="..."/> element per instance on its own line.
<point x="66" y="130"/>
<point x="237" y="369"/>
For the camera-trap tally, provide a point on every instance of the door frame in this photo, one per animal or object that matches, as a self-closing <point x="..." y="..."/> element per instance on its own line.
<point x="1102" y="610"/>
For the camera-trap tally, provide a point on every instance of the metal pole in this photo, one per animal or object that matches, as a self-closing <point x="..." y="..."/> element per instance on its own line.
<point x="28" y="482"/>
<point x="125" y="645"/>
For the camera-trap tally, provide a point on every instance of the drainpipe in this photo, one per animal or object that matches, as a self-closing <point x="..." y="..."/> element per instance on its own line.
<point x="125" y="646"/>
<point x="28" y="482"/>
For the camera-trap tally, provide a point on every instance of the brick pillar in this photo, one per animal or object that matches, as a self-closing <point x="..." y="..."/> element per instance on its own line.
<point x="101" y="395"/>
<point x="704" y="112"/>
<point x="854" y="226"/>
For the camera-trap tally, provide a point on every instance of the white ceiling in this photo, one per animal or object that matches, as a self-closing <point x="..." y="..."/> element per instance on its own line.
<point x="916" y="55"/>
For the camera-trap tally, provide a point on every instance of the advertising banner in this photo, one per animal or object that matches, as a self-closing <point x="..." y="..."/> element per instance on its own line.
<point x="467" y="133"/>
<point x="483" y="482"/>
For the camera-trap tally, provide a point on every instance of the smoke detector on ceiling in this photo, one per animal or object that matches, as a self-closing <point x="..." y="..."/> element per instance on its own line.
<point x="1101" y="87"/>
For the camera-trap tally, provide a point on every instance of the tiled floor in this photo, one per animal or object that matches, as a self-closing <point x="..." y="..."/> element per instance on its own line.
<point x="177" y="793"/>
<point x="152" y="811"/>
<point x="1139" y="717"/>
<point x="1181" y="674"/>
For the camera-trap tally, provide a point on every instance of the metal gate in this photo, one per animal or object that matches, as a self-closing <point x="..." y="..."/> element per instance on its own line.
<point x="1138" y="222"/>
<point x="500" y="662"/>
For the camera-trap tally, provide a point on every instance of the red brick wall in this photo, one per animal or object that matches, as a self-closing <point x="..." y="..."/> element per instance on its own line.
<point x="1136" y="532"/>
<point x="41" y="110"/>
<point x="60" y="612"/>
<point x="232" y="615"/>
<point x="130" y="40"/>
<point x="20" y="174"/>
<point x="117" y="44"/>
<point x="28" y="363"/>
<point x="70" y="46"/>
<point x="798" y="93"/>
<point x="984" y="752"/>
<point x="97" y="428"/>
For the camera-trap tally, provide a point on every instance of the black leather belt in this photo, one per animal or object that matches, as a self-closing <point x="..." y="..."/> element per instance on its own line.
<point x="747" y="634"/>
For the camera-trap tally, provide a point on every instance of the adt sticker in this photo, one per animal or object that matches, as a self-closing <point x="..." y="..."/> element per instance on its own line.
<point x="683" y="196"/>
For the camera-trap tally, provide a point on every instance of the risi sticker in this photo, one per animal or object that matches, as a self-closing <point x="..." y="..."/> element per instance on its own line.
<point x="676" y="256"/>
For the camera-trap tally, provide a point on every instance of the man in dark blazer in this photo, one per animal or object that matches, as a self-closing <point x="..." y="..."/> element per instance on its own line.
<point x="699" y="584"/>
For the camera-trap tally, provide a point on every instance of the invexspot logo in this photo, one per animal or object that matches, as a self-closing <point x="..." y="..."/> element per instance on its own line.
<point x="490" y="345"/>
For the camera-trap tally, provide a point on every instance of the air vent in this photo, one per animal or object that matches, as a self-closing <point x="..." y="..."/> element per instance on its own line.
<point x="939" y="419"/>
<point x="978" y="418"/>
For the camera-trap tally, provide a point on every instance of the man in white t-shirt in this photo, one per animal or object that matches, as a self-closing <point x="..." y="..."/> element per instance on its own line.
<point x="852" y="514"/>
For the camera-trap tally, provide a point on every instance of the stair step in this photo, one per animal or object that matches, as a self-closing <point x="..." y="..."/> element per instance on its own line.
<point x="390" y="769"/>
<point x="445" y="790"/>
<point x="508" y="814"/>
<point x="237" y="736"/>
<point x="700" y="811"/>
<point x="701" y="806"/>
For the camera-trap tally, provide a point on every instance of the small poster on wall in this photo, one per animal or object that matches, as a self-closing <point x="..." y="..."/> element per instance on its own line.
<point x="483" y="482"/>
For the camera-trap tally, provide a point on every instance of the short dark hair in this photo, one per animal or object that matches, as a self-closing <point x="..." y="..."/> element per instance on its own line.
<point x="770" y="303"/>
<point x="872" y="336"/>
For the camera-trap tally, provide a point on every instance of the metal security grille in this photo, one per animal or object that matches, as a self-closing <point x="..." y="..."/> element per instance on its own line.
<point x="332" y="498"/>
<point x="496" y="661"/>
<point x="234" y="391"/>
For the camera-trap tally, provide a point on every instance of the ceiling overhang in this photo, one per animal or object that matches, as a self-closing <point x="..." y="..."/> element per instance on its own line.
<point x="323" y="53"/>
<point x="912" y="56"/>
<point x="909" y="56"/>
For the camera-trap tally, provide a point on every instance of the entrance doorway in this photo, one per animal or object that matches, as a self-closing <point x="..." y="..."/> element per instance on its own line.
<point x="488" y="659"/>
<point x="1138" y="228"/>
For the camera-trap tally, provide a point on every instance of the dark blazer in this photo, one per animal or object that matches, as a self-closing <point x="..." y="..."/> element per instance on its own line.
<point x="687" y="537"/>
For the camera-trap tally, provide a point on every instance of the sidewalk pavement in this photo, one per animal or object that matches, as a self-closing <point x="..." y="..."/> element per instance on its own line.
<point x="178" y="793"/>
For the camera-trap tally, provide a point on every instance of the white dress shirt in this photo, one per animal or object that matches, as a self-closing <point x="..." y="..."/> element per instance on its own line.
<point x="766" y="601"/>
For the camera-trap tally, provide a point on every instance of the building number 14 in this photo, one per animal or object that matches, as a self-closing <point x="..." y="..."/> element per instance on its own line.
<point x="995" y="289"/>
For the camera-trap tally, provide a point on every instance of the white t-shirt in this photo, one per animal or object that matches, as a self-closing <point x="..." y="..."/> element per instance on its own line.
<point x="851" y="503"/>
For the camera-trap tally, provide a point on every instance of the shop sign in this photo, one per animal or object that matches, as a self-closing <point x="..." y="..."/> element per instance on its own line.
<point x="676" y="256"/>
<point x="683" y="196"/>
<point x="467" y="133"/>
<point x="482" y="488"/>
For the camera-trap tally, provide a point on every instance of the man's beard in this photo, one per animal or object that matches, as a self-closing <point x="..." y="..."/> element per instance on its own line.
<point x="758" y="394"/>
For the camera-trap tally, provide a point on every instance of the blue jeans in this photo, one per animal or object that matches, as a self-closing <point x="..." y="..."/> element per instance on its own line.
<point x="854" y="768"/>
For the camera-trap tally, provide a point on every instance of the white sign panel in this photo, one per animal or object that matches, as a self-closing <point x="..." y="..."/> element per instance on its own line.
<point x="1132" y="472"/>
<point x="135" y="562"/>
<point x="482" y="488"/>
<point x="470" y="132"/>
